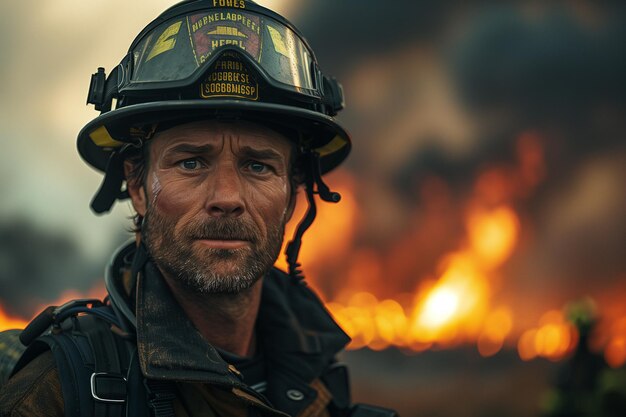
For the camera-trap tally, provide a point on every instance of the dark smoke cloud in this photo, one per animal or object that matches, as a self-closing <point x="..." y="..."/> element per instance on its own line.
<point x="36" y="265"/>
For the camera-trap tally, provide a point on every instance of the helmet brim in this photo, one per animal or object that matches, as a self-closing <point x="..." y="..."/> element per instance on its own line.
<point x="111" y="130"/>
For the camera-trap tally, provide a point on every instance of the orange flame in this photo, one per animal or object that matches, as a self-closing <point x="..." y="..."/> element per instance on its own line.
<point x="497" y="327"/>
<point x="611" y="337"/>
<point x="553" y="339"/>
<point x="9" y="322"/>
<point x="457" y="307"/>
<point x="493" y="235"/>
<point x="454" y="309"/>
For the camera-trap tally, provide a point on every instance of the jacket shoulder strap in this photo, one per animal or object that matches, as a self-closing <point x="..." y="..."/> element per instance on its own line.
<point x="92" y="362"/>
<point x="111" y="359"/>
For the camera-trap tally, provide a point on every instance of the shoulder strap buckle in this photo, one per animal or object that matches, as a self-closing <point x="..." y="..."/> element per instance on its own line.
<point x="108" y="388"/>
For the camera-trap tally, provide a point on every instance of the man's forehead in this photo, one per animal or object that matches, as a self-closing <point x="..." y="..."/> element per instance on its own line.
<point x="216" y="133"/>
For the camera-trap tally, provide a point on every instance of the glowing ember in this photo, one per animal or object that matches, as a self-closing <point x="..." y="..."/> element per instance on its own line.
<point x="612" y="338"/>
<point x="554" y="339"/>
<point x="615" y="353"/>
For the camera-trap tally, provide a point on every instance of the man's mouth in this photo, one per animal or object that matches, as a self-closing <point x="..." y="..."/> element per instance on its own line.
<point x="224" y="236"/>
<point x="218" y="243"/>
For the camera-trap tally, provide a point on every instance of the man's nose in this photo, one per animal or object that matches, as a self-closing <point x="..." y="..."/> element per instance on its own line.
<point x="225" y="196"/>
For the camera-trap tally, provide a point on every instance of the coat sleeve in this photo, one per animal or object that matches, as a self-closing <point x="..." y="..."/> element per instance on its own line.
<point x="35" y="391"/>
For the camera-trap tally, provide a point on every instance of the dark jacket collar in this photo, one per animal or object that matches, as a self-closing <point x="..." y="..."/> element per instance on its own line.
<point x="296" y="331"/>
<point x="297" y="334"/>
<point x="169" y="345"/>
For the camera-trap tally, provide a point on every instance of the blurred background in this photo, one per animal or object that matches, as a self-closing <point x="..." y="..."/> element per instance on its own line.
<point x="477" y="258"/>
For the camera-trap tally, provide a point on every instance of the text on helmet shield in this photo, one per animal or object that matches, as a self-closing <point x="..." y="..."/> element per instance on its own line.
<point x="214" y="30"/>
<point x="230" y="78"/>
<point x="238" y="4"/>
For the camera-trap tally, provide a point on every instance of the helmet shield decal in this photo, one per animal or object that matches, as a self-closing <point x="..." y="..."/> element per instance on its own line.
<point x="181" y="49"/>
<point x="219" y="28"/>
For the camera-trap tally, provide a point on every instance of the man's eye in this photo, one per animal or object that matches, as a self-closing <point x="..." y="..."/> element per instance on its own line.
<point x="190" y="164"/>
<point x="258" y="167"/>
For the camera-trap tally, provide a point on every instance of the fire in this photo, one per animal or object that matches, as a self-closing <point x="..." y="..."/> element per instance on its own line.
<point x="493" y="235"/>
<point x="439" y="308"/>
<point x="8" y="322"/>
<point x="453" y="309"/>
<point x="553" y="339"/>
<point x="454" y="306"/>
<point x="457" y="306"/>
<point x="615" y="353"/>
<point x="497" y="327"/>
<point x="610" y="337"/>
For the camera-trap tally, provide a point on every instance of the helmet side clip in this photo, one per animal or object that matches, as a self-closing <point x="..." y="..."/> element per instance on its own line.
<point x="103" y="90"/>
<point x="96" y="89"/>
<point x="333" y="96"/>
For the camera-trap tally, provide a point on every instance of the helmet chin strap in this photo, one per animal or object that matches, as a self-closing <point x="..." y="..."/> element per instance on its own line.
<point x="111" y="187"/>
<point x="312" y="178"/>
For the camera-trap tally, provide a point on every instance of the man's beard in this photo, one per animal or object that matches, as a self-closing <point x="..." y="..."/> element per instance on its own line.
<point x="196" y="268"/>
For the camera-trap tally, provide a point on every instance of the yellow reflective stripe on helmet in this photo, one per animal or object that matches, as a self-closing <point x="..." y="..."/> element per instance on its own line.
<point x="333" y="146"/>
<point x="102" y="138"/>
<point x="165" y="42"/>
<point x="278" y="41"/>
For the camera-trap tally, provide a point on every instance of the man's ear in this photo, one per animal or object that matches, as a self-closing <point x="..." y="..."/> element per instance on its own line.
<point x="136" y="190"/>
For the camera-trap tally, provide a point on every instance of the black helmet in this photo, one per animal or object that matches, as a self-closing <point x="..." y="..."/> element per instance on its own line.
<point x="226" y="59"/>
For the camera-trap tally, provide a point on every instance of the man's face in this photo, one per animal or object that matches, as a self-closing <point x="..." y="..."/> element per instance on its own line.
<point x="215" y="203"/>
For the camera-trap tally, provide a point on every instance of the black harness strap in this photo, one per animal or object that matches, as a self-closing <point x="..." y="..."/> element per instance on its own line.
<point x="137" y="395"/>
<point x="92" y="361"/>
<point x="161" y="397"/>
<point x="108" y="380"/>
<point x="71" y="355"/>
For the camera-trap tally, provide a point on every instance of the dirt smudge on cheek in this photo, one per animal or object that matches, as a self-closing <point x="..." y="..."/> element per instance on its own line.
<point x="175" y="197"/>
<point x="156" y="188"/>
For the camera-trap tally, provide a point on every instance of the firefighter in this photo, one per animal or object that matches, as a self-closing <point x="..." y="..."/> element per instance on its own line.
<point x="210" y="124"/>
